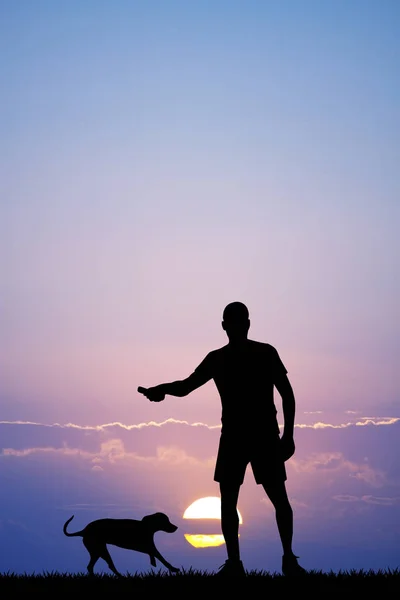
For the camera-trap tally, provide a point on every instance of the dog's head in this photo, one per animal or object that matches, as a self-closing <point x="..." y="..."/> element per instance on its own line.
<point x="159" y="522"/>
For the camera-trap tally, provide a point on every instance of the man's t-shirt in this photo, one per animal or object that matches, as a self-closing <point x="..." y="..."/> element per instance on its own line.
<point x="245" y="376"/>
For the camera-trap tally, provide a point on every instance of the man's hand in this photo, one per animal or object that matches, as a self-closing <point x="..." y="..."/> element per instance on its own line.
<point x="154" y="394"/>
<point x="287" y="446"/>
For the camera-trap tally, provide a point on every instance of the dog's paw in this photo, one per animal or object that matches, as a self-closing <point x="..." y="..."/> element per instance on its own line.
<point x="174" y="570"/>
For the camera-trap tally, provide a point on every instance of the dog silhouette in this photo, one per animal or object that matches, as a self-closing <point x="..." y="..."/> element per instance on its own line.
<point x="131" y="534"/>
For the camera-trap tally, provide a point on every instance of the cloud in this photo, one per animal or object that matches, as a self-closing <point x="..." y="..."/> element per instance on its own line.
<point x="346" y="448"/>
<point x="346" y="498"/>
<point x="176" y="456"/>
<point x="336" y="461"/>
<point x="364" y="421"/>
<point x="381" y="501"/>
<point x="139" y="439"/>
<point x="97" y="468"/>
<point x="120" y="429"/>
<point x="115" y="424"/>
<point x="113" y="451"/>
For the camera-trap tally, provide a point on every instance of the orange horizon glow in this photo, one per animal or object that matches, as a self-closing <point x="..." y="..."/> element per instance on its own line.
<point x="205" y="540"/>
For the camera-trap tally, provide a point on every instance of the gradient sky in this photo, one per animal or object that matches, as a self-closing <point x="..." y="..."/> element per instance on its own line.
<point x="159" y="160"/>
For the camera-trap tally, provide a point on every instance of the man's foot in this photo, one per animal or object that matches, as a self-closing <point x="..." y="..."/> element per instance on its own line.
<point x="290" y="566"/>
<point x="232" y="568"/>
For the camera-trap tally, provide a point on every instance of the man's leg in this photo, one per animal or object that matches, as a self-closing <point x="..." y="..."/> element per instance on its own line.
<point x="276" y="492"/>
<point x="230" y="519"/>
<point x="230" y="529"/>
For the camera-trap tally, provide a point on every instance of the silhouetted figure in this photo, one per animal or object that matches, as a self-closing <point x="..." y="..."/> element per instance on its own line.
<point x="245" y="373"/>
<point x="124" y="533"/>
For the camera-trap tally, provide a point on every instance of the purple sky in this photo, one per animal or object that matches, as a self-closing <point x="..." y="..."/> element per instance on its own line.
<point x="159" y="160"/>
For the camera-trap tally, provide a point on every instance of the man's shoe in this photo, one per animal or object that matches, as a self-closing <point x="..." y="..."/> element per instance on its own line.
<point x="290" y="566"/>
<point x="231" y="568"/>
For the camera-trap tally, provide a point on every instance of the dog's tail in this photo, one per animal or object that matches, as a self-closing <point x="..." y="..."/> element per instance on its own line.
<point x="71" y="534"/>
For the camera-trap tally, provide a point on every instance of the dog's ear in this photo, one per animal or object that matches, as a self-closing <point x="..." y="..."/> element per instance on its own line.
<point x="157" y="515"/>
<point x="148" y="519"/>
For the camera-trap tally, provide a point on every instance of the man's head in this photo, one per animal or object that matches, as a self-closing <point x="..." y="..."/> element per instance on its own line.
<point x="235" y="321"/>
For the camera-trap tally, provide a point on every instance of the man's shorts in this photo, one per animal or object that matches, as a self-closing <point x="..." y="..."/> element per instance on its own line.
<point x="263" y="453"/>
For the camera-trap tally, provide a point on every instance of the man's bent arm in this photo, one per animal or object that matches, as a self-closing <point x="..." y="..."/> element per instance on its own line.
<point x="288" y="405"/>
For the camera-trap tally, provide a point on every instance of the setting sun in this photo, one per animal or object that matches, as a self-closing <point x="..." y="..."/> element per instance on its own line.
<point x="205" y="509"/>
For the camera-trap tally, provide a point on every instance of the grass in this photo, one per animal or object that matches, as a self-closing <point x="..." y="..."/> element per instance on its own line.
<point x="193" y="581"/>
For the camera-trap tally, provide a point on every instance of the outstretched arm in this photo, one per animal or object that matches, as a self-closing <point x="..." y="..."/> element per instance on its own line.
<point x="176" y="388"/>
<point x="289" y="409"/>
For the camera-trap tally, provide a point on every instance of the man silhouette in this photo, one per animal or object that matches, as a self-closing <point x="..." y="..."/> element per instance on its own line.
<point x="245" y="373"/>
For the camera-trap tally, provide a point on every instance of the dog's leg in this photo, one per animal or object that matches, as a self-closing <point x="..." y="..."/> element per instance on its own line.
<point x="94" y="554"/>
<point x="105" y="555"/>
<point x="156" y="554"/>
